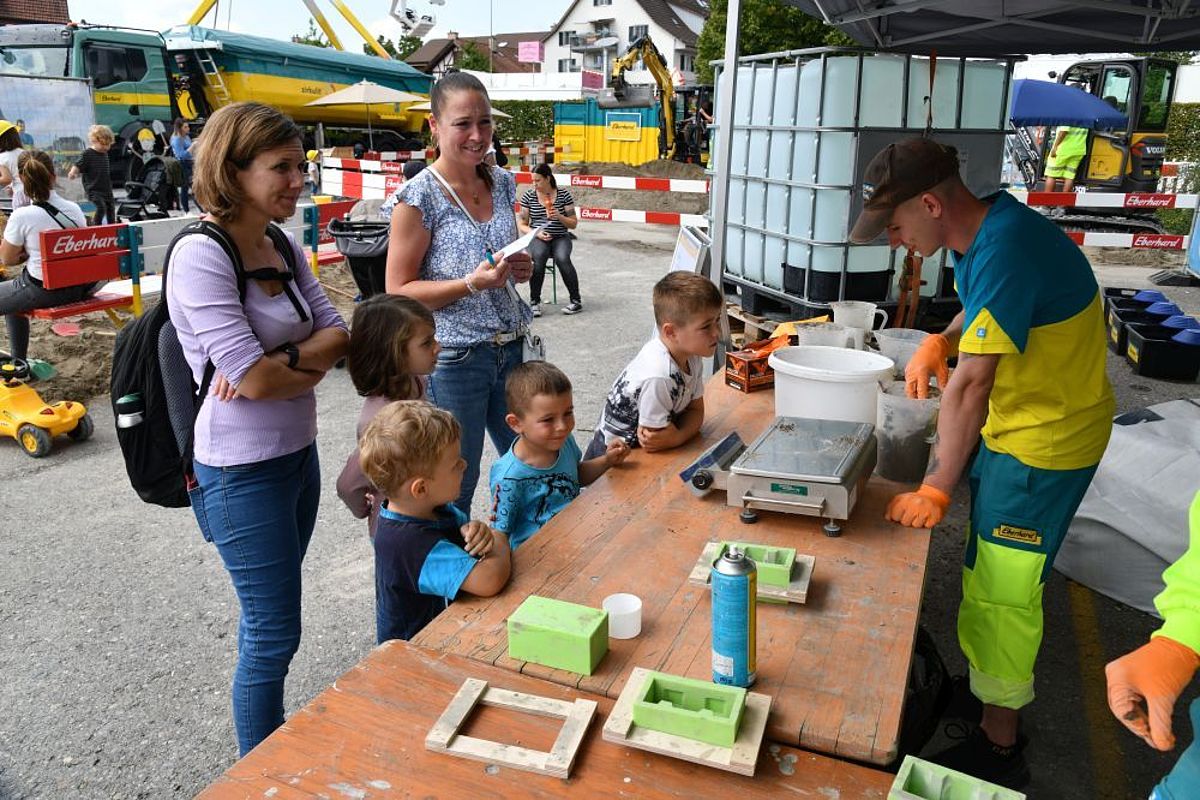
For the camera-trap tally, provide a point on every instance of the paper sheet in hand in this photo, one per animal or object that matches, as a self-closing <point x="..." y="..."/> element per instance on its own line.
<point x="518" y="245"/>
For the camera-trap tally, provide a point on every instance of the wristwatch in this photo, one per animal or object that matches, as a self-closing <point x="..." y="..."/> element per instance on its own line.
<point x="293" y="354"/>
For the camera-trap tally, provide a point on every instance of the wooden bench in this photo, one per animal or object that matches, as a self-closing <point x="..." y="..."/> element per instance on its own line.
<point x="127" y="253"/>
<point x="83" y="256"/>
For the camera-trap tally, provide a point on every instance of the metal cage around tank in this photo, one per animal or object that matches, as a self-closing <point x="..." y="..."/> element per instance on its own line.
<point x="806" y="123"/>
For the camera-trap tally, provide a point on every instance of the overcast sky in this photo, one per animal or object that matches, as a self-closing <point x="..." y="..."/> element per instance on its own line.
<point x="281" y="19"/>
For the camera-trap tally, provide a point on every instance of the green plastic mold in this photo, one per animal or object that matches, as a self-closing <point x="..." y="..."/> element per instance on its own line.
<point x="690" y="708"/>
<point x="921" y="780"/>
<point x="558" y="634"/>
<point x="774" y="563"/>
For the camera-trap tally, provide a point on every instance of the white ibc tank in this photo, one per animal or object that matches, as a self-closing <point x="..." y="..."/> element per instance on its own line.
<point x="984" y="104"/>
<point x="796" y="146"/>
<point x="944" y="97"/>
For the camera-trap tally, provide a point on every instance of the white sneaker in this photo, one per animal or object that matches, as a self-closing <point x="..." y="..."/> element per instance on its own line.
<point x="573" y="308"/>
<point x="537" y="309"/>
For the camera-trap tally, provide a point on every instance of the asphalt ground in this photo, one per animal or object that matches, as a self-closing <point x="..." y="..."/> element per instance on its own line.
<point x="118" y="622"/>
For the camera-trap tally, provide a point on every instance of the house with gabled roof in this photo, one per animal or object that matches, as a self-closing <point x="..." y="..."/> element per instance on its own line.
<point x="592" y="33"/>
<point x="436" y="56"/>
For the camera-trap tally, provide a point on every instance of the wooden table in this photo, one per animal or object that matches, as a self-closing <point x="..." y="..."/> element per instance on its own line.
<point x="836" y="666"/>
<point x="364" y="737"/>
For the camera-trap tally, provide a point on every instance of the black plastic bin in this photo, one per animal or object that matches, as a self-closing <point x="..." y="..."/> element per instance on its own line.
<point x="1152" y="353"/>
<point x="364" y="244"/>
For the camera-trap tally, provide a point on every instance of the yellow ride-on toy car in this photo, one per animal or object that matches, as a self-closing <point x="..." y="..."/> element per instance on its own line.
<point x="26" y="417"/>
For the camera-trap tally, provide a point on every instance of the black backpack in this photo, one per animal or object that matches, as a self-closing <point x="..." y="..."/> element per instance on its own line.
<point x="151" y="377"/>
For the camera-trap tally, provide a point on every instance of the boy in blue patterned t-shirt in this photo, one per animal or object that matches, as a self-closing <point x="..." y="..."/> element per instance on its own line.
<point x="542" y="471"/>
<point x="426" y="550"/>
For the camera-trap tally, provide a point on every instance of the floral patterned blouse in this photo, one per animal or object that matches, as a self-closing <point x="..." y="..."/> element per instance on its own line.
<point x="456" y="248"/>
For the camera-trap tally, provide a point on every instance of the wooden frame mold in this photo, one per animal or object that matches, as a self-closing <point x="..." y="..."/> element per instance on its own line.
<point x="741" y="758"/>
<point x="443" y="737"/>
<point x="796" y="591"/>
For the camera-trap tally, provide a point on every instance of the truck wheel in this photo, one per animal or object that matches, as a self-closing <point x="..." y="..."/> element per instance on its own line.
<point x="34" y="440"/>
<point x="83" y="430"/>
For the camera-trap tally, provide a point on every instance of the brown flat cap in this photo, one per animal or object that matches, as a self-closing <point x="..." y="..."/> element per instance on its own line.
<point x="898" y="172"/>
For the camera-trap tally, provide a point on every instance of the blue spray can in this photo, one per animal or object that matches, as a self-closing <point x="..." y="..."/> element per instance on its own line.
<point x="734" y="616"/>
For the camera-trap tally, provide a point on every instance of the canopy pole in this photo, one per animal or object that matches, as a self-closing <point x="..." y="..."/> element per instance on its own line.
<point x="726" y="93"/>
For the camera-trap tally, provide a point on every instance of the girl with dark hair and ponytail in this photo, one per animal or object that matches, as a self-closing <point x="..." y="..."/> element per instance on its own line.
<point x="448" y="223"/>
<point x="22" y="242"/>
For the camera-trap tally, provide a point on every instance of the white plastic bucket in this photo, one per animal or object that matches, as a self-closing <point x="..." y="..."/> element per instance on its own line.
<point x="828" y="382"/>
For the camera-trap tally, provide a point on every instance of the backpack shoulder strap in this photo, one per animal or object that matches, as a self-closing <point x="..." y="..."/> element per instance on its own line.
<point x="218" y="235"/>
<point x="226" y="243"/>
<point x="222" y="238"/>
<point x="56" y="214"/>
<point x="284" y="246"/>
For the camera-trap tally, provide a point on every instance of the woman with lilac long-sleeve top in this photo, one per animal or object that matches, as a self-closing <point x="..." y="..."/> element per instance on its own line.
<point x="257" y="473"/>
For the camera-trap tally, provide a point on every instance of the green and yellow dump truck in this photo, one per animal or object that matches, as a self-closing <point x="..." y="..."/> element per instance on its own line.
<point x="143" y="80"/>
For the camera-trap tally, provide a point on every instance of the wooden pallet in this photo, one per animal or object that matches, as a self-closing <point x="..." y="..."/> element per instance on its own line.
<point x="741" y="758"/>
<point x="444" y="737"/>
<point x="795" y="592"/>
<point x="751" y="326"/>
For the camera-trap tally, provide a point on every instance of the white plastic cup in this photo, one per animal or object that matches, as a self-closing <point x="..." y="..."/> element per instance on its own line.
<point x="624" y="615"/>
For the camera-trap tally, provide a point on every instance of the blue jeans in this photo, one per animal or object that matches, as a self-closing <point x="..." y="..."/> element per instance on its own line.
<point x="1182" y="781"/>
<point x="469" y="383"/>
<point x="261" y="517"/>
<point x="188" y="167"/>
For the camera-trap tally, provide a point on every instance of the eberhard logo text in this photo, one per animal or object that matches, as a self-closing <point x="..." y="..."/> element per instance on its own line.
<point x="97" y="243"/>
<point x="1016" y="534"/>
<point x="587" y="180"/>
<point x="604" y="214"/>
<point x="1157" y="241"/>
<point x="1149" y="201"/>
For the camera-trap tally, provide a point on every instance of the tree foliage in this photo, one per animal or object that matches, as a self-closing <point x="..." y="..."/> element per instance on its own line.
<point x="768" y="26"/>
<point x="532" y="120"/>
<point x="471" y="58"/>
<point x="400" y="49"/>
<point x="312" y="36"/>
<point x="1180" y="57"/>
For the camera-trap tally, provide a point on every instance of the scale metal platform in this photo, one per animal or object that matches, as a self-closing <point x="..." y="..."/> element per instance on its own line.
<point x="797" y="465"/>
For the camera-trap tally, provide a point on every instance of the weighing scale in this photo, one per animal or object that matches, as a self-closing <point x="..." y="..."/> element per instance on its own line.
<point x="814" y="467"/>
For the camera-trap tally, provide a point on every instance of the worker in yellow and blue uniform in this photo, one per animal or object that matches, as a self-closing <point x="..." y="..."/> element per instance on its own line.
<point x="1144" y="685"/>
<point x="1031" y="380"/>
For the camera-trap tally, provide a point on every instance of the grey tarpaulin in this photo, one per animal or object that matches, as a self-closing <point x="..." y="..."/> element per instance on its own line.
<point x="1133" y="522"/>
<point x="995" y="27"/>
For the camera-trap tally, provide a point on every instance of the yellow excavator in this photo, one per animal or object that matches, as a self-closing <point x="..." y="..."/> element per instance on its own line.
<point x="674" y="102"/>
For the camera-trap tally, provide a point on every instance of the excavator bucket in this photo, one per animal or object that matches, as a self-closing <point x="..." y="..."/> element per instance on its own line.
<point x="627" y="97"/>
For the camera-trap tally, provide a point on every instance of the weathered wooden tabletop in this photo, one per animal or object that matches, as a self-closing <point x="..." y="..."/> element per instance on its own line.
<point x="836" y="666"/>
<point x="364" y="737"/>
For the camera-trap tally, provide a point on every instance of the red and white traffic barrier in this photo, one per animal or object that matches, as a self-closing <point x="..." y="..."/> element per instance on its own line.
<point x="621" y="182"/>
<point x="1133" y="200"/>
<point x="408" y="155"/>
<point x="645" y="217"/>
<point x="377" y="186"/>
<point x="359" y="185"/>
<point x="1136" y="241"/>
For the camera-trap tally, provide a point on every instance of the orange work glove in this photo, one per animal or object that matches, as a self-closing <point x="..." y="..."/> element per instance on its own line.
<point x="928" y="361"/>
<point x="1150" y="679"/>
<point x="923" y="508"/>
